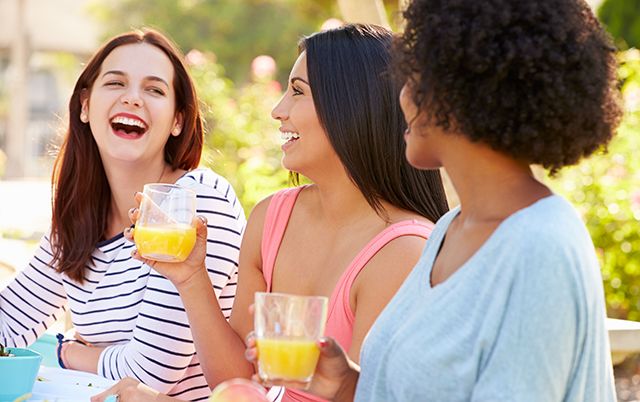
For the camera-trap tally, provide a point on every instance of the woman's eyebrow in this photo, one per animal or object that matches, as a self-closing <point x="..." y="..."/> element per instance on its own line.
<point x="155" y="78"/>
<point x="150" y="78"/>
<point x="114" y="72"/>
<point x="294" y="79"/>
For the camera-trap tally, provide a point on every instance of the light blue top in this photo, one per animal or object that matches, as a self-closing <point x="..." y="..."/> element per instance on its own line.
<point x="522" y="320"/>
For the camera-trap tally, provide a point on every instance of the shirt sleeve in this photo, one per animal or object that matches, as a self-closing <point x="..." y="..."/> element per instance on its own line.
<point x="162" y="347"/>
<point x="33" y="301"/>
<point x="542" y="333"/>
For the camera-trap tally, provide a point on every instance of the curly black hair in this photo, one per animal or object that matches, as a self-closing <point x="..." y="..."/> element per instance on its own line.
<point x="532" y="79"/>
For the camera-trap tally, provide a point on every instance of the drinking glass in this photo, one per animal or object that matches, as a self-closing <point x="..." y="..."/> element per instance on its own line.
<point x="287" y="328"/>
<point x="165" y="229"/>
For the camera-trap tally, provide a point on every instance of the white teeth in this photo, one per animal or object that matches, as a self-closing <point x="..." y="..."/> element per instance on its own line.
<point x="128" y="121"/>
<point x="288" y="135"/>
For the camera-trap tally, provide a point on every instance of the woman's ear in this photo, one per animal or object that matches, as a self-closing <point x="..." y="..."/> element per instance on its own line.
<point x="84" y="106"/>
<point x="177" y="125"/>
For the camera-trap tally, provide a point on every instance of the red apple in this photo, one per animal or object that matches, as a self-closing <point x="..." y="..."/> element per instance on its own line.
<point x="239" y="390"/>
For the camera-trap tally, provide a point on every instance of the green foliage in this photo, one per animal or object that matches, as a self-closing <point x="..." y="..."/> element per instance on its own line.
<point x="243" y="140"/>
<point x="235" y="30"/>
<point x="606" y="191"/>
<point x="622" y="20"/>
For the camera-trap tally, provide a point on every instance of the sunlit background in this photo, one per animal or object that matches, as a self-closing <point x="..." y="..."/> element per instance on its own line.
<point x="240" y="53"/>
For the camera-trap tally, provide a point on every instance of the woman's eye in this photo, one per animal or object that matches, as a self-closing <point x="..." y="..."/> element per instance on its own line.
<point x="296" y="91"/>
<point x="156" y="91"/>
<point x="114" y="84"/>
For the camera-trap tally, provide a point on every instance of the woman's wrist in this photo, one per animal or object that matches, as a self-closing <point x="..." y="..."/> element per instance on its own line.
<point x="195" y="280"/>
<point x="347" y="390"/>
<point x="63" y="346"/>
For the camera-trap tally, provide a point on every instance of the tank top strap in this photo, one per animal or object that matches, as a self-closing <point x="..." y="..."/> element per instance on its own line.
<point x="275" y="224"/>
<point x="342" y="292"/>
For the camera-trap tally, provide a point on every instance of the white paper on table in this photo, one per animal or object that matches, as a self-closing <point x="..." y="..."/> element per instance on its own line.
<point x="55" y="384"/>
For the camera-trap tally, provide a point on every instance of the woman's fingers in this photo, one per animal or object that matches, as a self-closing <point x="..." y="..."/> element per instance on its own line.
<point x="251" y="352"/>
<point x="128" y="233"/>
<point x="123" y="390"/>
<point x="201" y="227"/>
<point x="329" y="347"/>
<point x="133" y="214"/>
<point x="250" y="339"/>
<point x="102" y="396"/>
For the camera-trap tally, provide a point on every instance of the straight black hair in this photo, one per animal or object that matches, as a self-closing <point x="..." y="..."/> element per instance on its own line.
<point x="357" y="101"/>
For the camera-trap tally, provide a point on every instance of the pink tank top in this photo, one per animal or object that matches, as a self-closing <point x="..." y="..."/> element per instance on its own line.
<point x="340" y="317"/>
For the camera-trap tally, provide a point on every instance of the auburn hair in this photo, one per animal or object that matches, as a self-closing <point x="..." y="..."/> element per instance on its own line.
<point x="81" y="192"/>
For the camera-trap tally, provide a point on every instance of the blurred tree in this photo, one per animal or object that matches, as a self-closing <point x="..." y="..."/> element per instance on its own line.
<point x="243" y="141"/>
<point x="234" y="30"/>
<point x="622" y="20"/>
<point x="238" y="30"/>
<point x="605" y="191"/>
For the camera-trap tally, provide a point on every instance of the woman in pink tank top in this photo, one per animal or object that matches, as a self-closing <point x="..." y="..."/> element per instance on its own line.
<point x="354" y="234"/>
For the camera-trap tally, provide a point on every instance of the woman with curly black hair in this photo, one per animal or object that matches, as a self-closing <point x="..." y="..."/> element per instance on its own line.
<point x="506" y="303"/>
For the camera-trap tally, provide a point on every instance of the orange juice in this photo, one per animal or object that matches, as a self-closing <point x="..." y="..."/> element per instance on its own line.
<point x="287" y="359"/>
<point x="172" y="242"/>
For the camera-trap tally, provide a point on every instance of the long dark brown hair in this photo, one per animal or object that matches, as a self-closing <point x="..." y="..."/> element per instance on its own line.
<point x="81" y="192"/>
<point x="357" y="101"/>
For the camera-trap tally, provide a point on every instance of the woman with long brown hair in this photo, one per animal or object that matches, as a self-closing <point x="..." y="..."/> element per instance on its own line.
<point x="133" y="119"/>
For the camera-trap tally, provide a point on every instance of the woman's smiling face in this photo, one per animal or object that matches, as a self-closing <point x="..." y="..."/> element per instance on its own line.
<point x="131" y="105"/>
<point x="307" y="148"/>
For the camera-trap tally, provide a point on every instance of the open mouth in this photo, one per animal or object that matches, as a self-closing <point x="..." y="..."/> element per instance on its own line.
<point x="128" y="127"/>
<point x="289" y="136"/>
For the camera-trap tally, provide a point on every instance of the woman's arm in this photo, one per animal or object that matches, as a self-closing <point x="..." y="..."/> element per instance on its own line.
<point x="378" y="282"/>
<point x="220" y="349"/>
<point x="220" y="344"/>
<point x="33" y="301"/>
<point x="163" y="344"/>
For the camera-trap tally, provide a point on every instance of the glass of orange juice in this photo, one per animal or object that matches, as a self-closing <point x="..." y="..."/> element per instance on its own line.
<point x="287" y="328"/>
<point x="165" y="229"/>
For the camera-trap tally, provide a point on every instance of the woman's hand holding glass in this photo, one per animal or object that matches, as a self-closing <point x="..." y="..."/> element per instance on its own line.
<point x="180" y="273"/>
<point x="334" y="378"/>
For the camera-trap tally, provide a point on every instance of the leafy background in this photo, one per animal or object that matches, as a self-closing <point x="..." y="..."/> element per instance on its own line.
<point x="243" y="141"/>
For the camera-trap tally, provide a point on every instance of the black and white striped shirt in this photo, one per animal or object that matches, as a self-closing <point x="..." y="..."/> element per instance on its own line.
<point x="127" y="306"/>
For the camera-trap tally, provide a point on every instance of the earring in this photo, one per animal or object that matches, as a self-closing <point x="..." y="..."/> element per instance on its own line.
<point x="176" y="130"/>
<point x="84" y="118"/>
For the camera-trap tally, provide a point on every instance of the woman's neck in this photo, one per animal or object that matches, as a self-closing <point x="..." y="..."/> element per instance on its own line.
<point x="124" y="181"/>
<point x="491" y="186"/>
<point x="339" y="202"/>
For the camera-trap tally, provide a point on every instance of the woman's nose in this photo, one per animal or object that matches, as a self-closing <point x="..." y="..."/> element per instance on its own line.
<point x="132" y="98"/>
<point x="280" y="110"/>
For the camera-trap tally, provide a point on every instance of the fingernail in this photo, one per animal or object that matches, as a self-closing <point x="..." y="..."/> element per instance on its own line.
<point x="323" y="342"/>
<point x="132" y="210"/>
<point x="202" y="219"/>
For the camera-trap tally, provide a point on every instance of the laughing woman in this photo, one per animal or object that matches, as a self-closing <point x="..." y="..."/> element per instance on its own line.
<point x="133" y="119"/>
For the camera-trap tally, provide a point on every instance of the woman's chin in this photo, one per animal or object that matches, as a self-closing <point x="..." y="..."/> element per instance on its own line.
<point x="289" y="165"/>
<point x="422" y="162"/>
